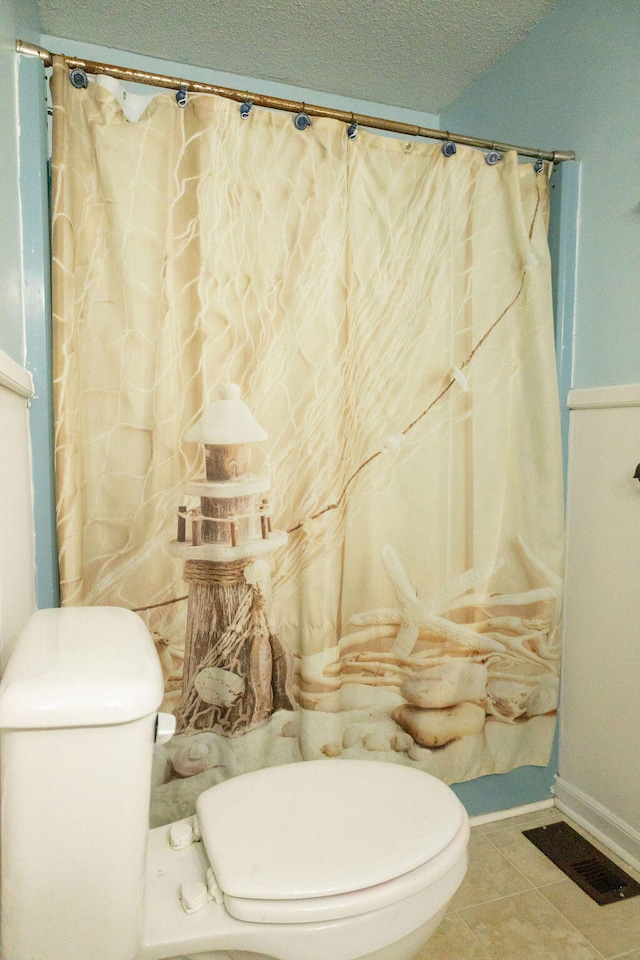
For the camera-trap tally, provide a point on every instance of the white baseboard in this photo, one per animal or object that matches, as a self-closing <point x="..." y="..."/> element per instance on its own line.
<point x="621" y="838"/>
<point x="511" y="812"/>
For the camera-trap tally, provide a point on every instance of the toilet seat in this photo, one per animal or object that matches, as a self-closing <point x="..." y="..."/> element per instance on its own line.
<point x="343" y="906"/>
<point x="300" y="843"/>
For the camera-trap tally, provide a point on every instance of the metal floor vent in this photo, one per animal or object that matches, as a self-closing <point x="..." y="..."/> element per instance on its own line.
<point x="594" y="873"/>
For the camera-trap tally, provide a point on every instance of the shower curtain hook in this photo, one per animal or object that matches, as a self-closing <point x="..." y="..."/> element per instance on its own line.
<point x="448" y="148"/>
<point x="352" y="130"/>
<point x="78" y="78"/>
<point x="494" y="156"/>
<point x="302" y="120"/>
<point x="539" y="164"/>
<point x="245" y="108"/>
<point x="181" y="95"/>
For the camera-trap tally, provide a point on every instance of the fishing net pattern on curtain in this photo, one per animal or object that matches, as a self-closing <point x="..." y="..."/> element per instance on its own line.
<point x="378" y="576"/>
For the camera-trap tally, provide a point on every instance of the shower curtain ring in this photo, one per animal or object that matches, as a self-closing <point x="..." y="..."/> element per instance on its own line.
<point x="181" y="95"/>
<point x="245" y="108"/>
<point x="302" y="120"/>
<point x="448" y="148"/>
<point x="352" y="130"/>
<point x="78" y="79"/>
<point x="539" y="164"/>
<point x="494" y="156"/>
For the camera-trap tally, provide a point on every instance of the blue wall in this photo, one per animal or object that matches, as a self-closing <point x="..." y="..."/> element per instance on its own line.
<point x="24" y="260"/>
<point x="36" y="286"/>
<point x="574" y="83"/>
<point x="17" y="17"/>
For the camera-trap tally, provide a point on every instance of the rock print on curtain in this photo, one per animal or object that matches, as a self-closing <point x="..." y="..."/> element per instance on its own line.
<point x="307" y="426"/>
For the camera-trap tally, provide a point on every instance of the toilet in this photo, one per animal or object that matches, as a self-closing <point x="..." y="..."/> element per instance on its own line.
<point x="331" y="859"/>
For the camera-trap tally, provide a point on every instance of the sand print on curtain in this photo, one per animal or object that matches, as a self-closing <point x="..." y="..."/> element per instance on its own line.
<point x="385" y="315"/>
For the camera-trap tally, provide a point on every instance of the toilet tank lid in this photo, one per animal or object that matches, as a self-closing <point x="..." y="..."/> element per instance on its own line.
<point x="81" y="667"/>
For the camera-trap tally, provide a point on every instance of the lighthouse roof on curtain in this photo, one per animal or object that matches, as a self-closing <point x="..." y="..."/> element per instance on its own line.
<point x="227" y="420"/>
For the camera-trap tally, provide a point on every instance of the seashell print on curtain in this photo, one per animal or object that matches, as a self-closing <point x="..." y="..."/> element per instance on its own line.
<point x="391" y="585"/>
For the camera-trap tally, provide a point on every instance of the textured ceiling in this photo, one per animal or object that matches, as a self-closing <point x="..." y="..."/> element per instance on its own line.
<point x="420" y="54"/>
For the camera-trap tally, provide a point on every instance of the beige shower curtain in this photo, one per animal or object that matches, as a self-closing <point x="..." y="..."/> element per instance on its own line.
<point x="386" y="312"/>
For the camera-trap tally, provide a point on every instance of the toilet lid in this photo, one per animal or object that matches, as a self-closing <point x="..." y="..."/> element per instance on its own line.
<point x="324" y="827"/>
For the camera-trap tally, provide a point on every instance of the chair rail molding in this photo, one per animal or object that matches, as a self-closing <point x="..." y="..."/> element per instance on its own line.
<point x="14" y="377"/>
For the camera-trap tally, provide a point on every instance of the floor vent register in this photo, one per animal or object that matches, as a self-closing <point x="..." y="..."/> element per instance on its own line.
<point x="593" y="872"/>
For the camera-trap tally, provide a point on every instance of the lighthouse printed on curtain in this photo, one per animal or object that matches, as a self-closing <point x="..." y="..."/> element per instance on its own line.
<point x="236" y="672"/>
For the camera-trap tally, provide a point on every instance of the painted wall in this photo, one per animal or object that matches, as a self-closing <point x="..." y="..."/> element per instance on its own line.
<point x="16" y="17"/>
<point x="17" y="597"/>
<point x="574" y="83"/>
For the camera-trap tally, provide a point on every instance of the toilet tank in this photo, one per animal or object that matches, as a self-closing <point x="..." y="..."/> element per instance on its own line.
<point x="78" y="706"/>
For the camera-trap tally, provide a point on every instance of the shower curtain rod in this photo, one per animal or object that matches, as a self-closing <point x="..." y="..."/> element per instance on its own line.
<point x="292" y="106"/>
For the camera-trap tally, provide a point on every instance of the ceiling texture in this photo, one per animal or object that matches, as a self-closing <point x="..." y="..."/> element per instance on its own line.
<point x="418" y="54"/>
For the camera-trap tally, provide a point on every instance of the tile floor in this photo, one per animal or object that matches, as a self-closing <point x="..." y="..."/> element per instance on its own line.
<point x="514" y="904"/>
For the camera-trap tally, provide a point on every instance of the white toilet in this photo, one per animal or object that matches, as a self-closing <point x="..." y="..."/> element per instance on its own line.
<point x="322" y="860"/>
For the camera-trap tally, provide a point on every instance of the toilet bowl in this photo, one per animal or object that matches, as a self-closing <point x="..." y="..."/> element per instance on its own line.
<point x="323" y="860"/>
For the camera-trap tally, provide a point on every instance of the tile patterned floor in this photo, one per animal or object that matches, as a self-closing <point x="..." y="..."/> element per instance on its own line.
<point x="515" y="904"/>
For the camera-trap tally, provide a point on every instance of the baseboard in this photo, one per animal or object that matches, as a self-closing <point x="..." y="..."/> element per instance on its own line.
<point x="511" y="812"/>
<point x="621" y="838"/>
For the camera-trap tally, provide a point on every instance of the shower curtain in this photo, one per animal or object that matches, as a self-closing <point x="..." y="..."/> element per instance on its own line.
<point x="385" y="314"/>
